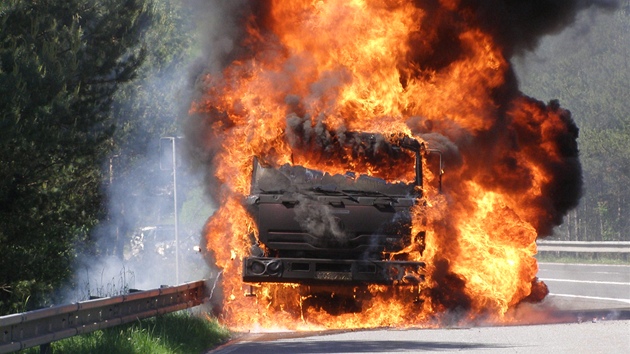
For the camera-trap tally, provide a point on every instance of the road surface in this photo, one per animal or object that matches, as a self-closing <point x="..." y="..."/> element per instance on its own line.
<point x="591" y="301"/>
<point x="592" y="286"/>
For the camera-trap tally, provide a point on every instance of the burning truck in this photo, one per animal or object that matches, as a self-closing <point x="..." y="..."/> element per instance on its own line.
<point x="302" y="84"/>
<point x="315" y="228"/>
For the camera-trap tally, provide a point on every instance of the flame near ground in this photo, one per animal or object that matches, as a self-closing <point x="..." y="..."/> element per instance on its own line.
<point x="303" y="73"/>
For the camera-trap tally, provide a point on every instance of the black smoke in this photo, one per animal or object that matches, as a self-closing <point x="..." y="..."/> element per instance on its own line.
<point x="519" y="25"/>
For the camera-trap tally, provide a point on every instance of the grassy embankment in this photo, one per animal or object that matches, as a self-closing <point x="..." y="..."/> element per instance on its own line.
<point x="179" y="332"/>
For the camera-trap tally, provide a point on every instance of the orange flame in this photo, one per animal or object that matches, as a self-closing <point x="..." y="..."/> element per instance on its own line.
<point x="309" y="68"/>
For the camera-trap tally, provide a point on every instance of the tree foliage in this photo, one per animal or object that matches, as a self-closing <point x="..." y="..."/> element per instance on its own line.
<point x="587" y="69"/>
<point x="61" y="62"/>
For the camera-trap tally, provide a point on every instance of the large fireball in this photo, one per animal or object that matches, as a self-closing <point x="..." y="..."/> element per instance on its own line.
<point x="303" y="72"/>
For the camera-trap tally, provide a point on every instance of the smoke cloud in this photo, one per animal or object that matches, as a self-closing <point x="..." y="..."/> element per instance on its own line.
<point x="136" y="243"/>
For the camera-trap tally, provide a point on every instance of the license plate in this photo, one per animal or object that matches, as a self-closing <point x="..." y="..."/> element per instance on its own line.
<point x="333" y="276"/>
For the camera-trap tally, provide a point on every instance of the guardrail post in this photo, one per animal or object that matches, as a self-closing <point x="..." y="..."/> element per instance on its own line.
<point x="45" y="349"/>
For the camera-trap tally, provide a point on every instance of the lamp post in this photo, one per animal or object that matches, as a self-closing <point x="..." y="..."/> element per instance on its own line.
<point x="173" y="162"/>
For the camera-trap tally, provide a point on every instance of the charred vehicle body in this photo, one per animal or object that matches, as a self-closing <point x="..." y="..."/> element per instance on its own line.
<point x="316" y="228"/>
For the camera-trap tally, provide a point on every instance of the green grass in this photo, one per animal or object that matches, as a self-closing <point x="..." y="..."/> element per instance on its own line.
<point x="179" y="332"/>
<point x="584" y="258"/>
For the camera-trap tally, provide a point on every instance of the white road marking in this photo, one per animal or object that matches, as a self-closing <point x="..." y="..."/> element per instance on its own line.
<point x="627" y="301"/>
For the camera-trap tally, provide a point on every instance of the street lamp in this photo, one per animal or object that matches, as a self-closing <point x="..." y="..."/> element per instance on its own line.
<point x="164" y="167"/>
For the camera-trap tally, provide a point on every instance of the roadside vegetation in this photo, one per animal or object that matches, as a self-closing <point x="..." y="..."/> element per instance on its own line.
<point x="179" y="332"/>
<point x="86" y="91"/>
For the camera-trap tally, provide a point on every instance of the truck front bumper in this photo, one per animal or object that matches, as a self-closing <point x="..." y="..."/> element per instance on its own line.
<point x="315" y="270"/>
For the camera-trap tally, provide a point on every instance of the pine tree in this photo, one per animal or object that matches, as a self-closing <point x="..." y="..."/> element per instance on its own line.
<point x="61" y="62"/>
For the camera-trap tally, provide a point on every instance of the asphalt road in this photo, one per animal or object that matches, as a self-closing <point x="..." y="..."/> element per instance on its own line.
<point x="591" y="286"/>
<point x="588" y="337"/>
<point x="591" y="302"/>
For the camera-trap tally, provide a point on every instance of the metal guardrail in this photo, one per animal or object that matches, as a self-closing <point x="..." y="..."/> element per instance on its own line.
<point x="584" y="246"/>
<point x="40" y="327"/>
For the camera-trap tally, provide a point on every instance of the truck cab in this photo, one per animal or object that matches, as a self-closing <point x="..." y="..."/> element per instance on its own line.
<point x="317" y="228"/>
